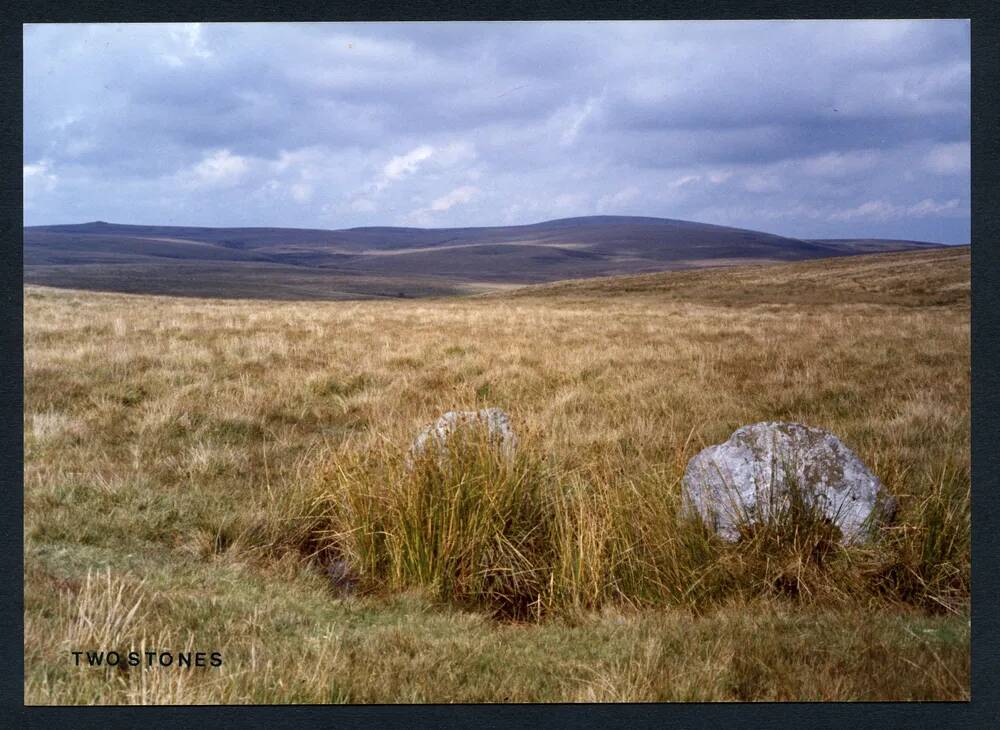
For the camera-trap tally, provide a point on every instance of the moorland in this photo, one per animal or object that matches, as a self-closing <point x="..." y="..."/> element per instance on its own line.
<point x="190" y="461"/>
<point x="386" y="262"/>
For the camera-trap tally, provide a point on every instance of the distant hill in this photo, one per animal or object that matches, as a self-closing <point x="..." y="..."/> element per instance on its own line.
<point x="292" y="263"/>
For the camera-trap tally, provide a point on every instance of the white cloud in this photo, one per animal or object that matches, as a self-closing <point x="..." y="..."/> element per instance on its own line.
<point x="880" y="210"/>
<point x="683" y="180"/>
<point x="38" y="178"/>
<point x="930" y="207"/>
<point x="301" y="159"/>
<point x="402" y="165"/>
<point x="458" y="196"/>
<point x="40" y="174"/>
<point x="873" y="209"/>
<point x="406" y="165"/>
<point x="839" y="164"/>
<point x="949" y="159"/>
<point x="614" y="201"/>
<point x="577" y="118"/>
<point x="220" y="169"/>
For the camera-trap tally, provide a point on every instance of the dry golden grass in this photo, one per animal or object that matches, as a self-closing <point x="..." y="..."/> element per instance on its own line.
<point x="178" y="446"/>
<point x="936" y="277"/>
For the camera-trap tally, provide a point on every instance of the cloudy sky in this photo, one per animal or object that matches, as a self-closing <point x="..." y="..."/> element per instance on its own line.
<point x="809" y="129"/>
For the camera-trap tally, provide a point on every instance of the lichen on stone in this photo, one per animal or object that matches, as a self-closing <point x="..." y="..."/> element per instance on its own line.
<point x="763" y="466"/>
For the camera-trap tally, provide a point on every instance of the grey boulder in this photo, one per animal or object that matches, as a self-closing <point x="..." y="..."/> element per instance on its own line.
<point x="435" y="436"/>
<point x="756" y="473"/>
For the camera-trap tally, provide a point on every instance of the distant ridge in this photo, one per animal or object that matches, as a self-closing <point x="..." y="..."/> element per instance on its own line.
<point x="289" y="263"/>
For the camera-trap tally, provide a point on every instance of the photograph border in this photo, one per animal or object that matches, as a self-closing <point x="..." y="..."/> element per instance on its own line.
<point x="985" y="405"/>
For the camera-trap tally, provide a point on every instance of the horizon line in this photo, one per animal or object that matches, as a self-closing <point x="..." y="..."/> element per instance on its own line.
<point x="511" y="225"/>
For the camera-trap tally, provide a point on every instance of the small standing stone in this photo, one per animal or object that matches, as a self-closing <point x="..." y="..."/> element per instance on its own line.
<point x="437" y="434"/>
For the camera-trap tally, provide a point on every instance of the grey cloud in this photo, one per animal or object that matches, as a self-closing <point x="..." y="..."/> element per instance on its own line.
<point x="803" y="128"/>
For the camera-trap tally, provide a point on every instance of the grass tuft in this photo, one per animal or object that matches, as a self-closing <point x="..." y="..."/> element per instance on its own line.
<point x="525" y="538"/>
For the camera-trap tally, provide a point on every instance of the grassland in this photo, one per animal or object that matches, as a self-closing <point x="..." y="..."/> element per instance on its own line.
<point x="185" y="459"/>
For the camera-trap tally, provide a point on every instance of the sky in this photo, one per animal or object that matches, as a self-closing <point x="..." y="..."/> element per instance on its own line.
<point x="809" y="129"/>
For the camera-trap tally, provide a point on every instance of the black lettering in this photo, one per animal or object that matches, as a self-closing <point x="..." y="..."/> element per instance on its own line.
<point x="77" y="655"/>
<point x="183" y="660"/>
<point x="199" y="659"/>
<point x="95" y="658"/>
<point x="133" y="659"/>
<point x="117" y="657"/>
<point x="150" y="656"/>
<point x="170" y="659"/>
<point x="216" y="659"/>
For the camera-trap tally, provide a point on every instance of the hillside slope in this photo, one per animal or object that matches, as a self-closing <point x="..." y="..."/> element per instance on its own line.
<point x="939" y="276"/>
<point x="320" y="264"/>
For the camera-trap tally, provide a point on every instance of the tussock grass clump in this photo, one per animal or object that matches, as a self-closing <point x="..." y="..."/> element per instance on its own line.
<point x="925" y="559"/>
<point x="525" y="538"/>
<point x="466" y="522"/>
<point x="786" y="548"/>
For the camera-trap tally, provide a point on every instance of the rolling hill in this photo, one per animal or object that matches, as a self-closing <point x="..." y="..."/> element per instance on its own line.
<point x="291" y="263"/>
<point x="916" y="278"/>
